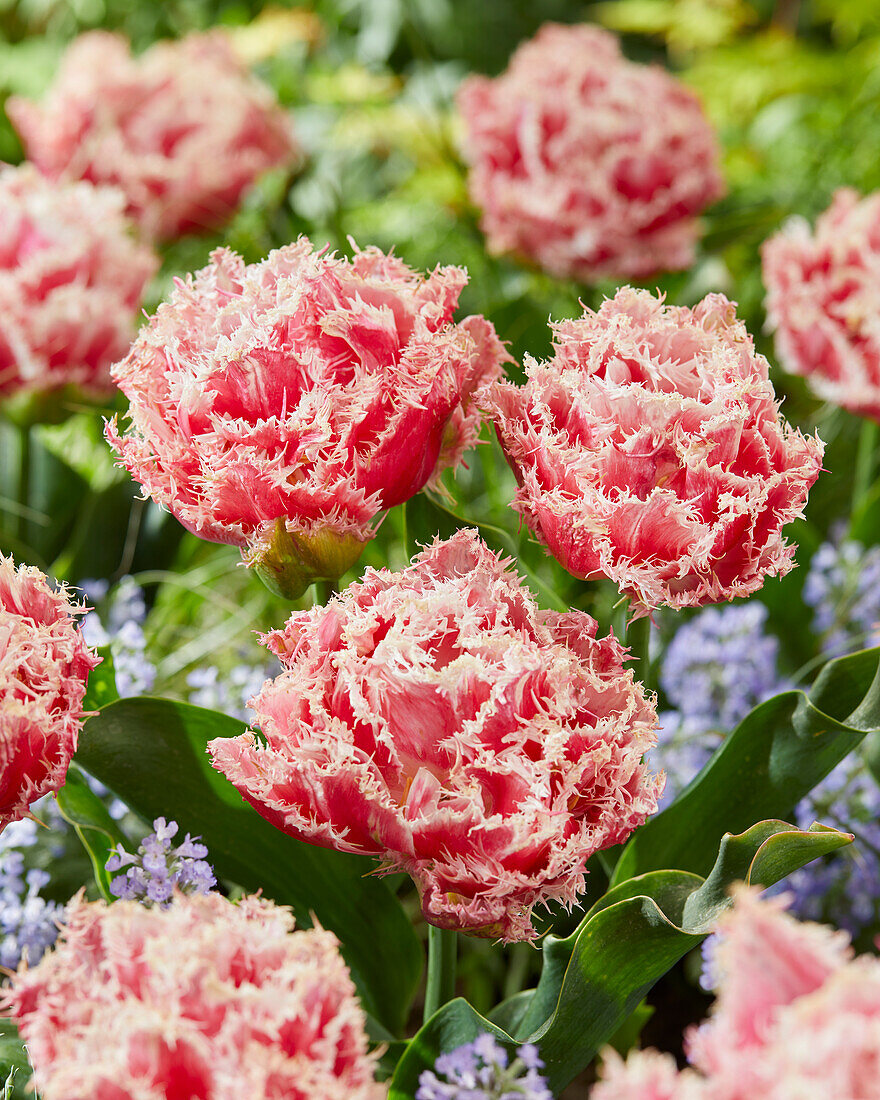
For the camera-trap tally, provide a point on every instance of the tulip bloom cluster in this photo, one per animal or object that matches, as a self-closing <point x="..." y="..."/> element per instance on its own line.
<point x="650" y="450"/>
<point x="823" y="300"/>
<point x="796" y="1016"/>
<point x="585" y="162"/>
<point x="182" y="130"/>
<point x="71" y="280"/>
<point x="437" y="719"/>
<point x="203" y="999"/>
<point x="280" y="406"/>
<point x="44" y="664"/>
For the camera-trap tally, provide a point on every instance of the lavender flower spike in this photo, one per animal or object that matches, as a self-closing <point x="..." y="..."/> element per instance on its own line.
<point x="153" y="874"/>
<point x="482" y="1070"/>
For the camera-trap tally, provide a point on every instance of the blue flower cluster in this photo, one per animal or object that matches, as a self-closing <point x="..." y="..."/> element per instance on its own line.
<point x="157" y="869"/>
<point x="843" y="888"/>
<point x="28" y="923"/>
<point x="482" y="1070"/>
<point x="843" y="588"/>
<point x="229" y="693"/>
<point x="719" y="665"/>
<point x="122" y="629"/>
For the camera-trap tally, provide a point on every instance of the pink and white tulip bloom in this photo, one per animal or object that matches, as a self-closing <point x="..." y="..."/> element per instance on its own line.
<point x="437" y="719"/>
<point x="281" y="406"/>
<point x="183" y="129"/>
<point x="44" y="665"/>
<point x="797" y="1016"/>
<point x="204" y="1000"/>
<point x="585" y="162"/>
<point x="72" y="277"/>
<point x="650" y="450"/>
<point x="823" y="300"/>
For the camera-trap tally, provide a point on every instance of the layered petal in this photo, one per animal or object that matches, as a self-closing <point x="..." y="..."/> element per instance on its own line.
<point x="585" y="162"/>
<point x="182" y="129"/>
<point x="44" y="665"/>
<point x="823" y="301"/>
<point x="438" y="720"/>
<point x="202" y="1000"/>
<point x="650" y="450"/>
<point x="72" y="276"/>
<point x="280" y="406"/>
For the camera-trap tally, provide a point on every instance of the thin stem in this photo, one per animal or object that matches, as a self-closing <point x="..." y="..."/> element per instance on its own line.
<point x="442" y="950"/>
<point x="24" y="484"/>
<point x="864" y="471"/>
<point x="324" y="590"/>
<point x="638" y="640"/>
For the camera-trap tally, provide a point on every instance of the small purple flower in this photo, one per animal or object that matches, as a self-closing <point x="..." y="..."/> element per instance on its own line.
<point x="156" y="870"/>
<point x="122" y="629"/>
<point x="482" y="1070"/>
<point x="717" y="668"/>
<point x="843" y="888"/>
<point x="28" y="923"/>
<point x="230" y="692"/>
<point x="843" y="588"/>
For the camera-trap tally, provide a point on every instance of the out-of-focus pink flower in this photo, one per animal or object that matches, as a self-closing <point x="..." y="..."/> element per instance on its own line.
<point x="824" y="303"/>
<point x="437" y="719"/>
<point x="44" y="664"/>
<point x="71" y="279"/>
<point x="646" y="1075"/>
<point x="650" y="450"/>
<point x="796" y="1017"/>
<point x="204" y="1000"/>
<point x="282" y="405"/>
<point x="585" y="162"/>
<point x="183" y="129"/>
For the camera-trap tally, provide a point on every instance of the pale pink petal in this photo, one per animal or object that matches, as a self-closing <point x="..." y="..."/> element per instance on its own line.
<point x="44" y="665"/>
<point x="650" y="450"/>
<point x="182" y="129"/>
<point x="203" y="1000"/>
<point x="823" y="302"/>
<point x="438" y="720"/>
<point x="586" y="162"/>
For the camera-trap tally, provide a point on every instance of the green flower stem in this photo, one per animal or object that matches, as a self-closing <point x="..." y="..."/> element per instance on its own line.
<point x="865" y="462"/>
<point x="638" y="640"/>
<point x="24" y="483"/>
<point x="442" y="950"/>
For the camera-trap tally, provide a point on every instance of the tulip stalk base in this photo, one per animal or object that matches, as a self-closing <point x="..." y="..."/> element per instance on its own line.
<point x="442" y="952"/>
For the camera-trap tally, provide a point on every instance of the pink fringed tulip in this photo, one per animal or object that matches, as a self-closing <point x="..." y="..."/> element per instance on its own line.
<point x="205" y="1000"/>
<point x="585" y="162"/>
<point x="823" y="301"/>
<point x="44" y="664"/>
<point x="797" y="1018"/>
<point x="650" y="450"/>
<point x="183" y="129"/>
<point x="71" y="280"/>
<point x="281" y="406"/>
<point x="437" y="719"/>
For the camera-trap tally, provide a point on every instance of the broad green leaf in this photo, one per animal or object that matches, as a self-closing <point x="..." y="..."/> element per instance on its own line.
<point x="593" y="980"/>
<point x="773" y="758"/>
<point x="94" y="826"/>
<point x="151" y="752"/>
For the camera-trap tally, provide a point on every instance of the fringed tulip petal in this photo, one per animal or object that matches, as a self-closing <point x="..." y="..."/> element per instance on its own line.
<point x="281" y="406"/>
<point x="71" y="279"/>
<point x="438" y="720"/>
<point x="823" y="300"/>
<point x="585" y="162"/>
<point x="204" y="1000"/>
<point x="44" y="664"/>
<point x="183" y="129"/>
<point x="650" y="450"/>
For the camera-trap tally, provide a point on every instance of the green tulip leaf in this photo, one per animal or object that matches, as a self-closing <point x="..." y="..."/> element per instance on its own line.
<point x="773" y="758"/>
<point x="94" y="826"/>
